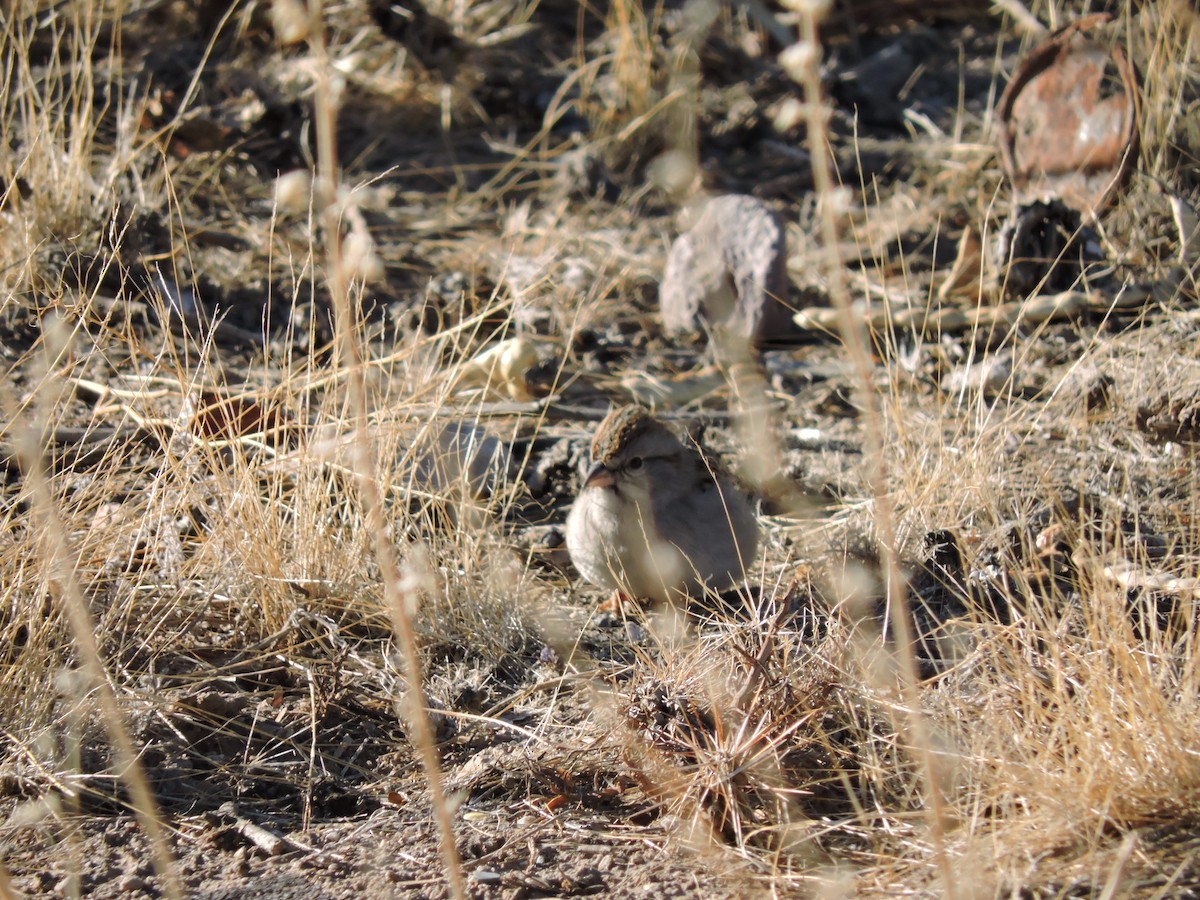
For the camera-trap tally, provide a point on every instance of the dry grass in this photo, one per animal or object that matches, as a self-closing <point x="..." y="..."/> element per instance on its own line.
<point x="312" y="558"/>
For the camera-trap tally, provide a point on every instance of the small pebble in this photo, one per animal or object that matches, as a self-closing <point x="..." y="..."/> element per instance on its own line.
<point x="131" y="884"/>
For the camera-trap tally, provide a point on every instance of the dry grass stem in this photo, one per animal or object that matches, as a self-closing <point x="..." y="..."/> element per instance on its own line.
<point x="832" y="200"/>
<point x="402" y="593"/>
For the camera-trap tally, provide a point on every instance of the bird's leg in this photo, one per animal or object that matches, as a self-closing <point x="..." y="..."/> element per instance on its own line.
<point x="618" y="601"/>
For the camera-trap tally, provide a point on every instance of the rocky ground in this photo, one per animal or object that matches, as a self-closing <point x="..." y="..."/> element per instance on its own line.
<point x="514" y="177"/>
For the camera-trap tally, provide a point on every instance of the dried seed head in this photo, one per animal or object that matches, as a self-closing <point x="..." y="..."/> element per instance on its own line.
<point x="293" y="191"/>
<point x="360" y="258"/>
<point x="840" y="202"/>
<point x="788" y="115"/>
<point x="291" y="22"/>
<point x="800" y="60"/>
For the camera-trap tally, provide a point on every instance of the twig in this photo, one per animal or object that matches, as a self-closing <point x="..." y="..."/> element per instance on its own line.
<point x="267" y="841"/>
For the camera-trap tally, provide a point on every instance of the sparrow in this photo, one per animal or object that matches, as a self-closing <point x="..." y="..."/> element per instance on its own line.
<point x="655" y="519"/>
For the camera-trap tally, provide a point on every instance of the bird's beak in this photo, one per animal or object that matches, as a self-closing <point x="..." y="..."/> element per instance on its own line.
<point x="599" y="475"/>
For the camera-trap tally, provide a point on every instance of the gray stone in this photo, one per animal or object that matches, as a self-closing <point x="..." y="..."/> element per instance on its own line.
<point x="729" y="271"/>
<point x="465" y="456"/>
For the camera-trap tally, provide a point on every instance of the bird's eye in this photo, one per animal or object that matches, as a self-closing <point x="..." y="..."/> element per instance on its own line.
<point x="634" y="464"/>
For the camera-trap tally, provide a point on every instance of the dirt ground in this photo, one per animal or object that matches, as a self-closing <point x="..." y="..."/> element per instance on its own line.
<point x="507" y="165"/>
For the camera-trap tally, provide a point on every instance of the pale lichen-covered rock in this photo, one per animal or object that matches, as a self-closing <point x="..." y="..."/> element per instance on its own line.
<point x="730" y="271"/>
